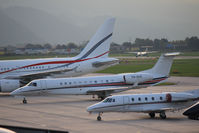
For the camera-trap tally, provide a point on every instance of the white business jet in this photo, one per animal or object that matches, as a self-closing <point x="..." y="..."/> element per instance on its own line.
<point x="94" y="57"/>
<point x="102" y="86"/>
<point x="146" y="103"/>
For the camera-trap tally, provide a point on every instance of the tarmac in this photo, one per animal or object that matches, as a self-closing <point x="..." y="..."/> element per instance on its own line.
<point x="68" y="113"/>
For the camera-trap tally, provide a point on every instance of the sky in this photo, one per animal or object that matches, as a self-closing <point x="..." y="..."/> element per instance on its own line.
<point x="171" y="19"/>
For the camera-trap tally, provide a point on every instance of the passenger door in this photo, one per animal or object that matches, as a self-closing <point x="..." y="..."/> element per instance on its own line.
<point x="126" y="102"/>
<point x="43" y="85"/>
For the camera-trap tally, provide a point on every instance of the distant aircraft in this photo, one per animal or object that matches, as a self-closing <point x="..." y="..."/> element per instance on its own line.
<point x="146" y="103"/>
<point x="102" y="86"/>
<point x="193" y="112"/>
<point x="94" y="57"/>
<point x="144" y="53"/>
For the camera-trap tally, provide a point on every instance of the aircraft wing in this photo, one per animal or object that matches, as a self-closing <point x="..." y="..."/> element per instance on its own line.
<point x="113" y="90"/>
<point x="42" y="74"/>
<point x="105" y="62"/>
<point x="156" y="110"/>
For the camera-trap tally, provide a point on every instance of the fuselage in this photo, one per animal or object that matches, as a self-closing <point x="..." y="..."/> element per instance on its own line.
<point x="84" y="85"/>
<point x="17" y="68"/>
<point x="146" y="103"/>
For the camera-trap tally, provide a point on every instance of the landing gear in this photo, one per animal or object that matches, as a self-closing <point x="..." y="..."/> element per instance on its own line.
<point x="163" y="115"/>
<point x="24" y="101"/>
<point x="99" y="116"/>
<point x="152" y="114"/>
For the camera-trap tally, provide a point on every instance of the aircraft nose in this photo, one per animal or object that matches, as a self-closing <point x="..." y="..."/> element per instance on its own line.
<point x="90" y="109"/>
<point x="13" y="93"/>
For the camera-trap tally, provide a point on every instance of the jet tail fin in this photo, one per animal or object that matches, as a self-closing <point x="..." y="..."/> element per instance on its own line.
<point x="163" y="65"/>
<point x="99" y="44"/>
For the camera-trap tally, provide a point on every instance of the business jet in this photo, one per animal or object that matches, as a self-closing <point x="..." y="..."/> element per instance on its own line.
<point x="146" y="103"/>
<point x="94" y="57"/>
<point x="102" y="86"/>
<point x="192" y="112"/>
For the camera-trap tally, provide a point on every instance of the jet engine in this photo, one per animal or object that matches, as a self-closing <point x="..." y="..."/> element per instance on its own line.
<point x="137" y="78"/>
<point x="8" y="85"/>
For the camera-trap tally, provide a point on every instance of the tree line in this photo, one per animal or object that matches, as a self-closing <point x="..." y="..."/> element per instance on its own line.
<point x="189" y="44"/>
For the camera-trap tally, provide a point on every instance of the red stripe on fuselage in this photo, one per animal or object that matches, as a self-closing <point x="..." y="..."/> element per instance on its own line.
<point x="156" y="80"/>
<point x="54" y="62"/>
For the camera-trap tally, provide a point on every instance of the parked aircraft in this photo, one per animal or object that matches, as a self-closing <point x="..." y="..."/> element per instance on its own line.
<point x="192" y="112"/>
<point x="146" y="103"/>
<point x="102" y="86"/>
<point x="94" y="57"/>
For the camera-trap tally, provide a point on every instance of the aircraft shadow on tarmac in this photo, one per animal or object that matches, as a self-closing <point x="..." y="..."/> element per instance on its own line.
<point x="171" y="119"/>
<point x="57" y="101"/>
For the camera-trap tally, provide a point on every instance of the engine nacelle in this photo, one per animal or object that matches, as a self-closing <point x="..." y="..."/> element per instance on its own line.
<point x="8" y="85"/>
<point x="137" y="78"/>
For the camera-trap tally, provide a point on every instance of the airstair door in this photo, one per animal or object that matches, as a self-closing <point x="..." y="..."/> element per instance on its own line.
<point x="43" y="86"/>
<point x="126" y="103"/>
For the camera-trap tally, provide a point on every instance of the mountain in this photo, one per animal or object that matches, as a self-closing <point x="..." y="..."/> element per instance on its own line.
<point x="50" y="28"/>
<point x="12" y="32"/>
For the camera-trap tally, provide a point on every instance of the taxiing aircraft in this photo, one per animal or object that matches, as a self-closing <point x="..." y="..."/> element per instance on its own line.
<point x="146" y="103"/>
<point x="102" y="86"/>
<point x="94" y="57"/>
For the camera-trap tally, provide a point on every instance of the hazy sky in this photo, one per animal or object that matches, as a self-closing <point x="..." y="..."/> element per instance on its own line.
<point x="171" y="19"/>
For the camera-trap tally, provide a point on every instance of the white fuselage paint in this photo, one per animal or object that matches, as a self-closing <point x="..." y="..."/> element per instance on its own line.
<point x="83" y="85"/>
<point x="17" y="68"/>
<point x="146" y="103"/>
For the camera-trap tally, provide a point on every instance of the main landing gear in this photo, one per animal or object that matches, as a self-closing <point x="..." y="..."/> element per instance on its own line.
<point x="99" y="116"/>
<point x="152" y="114"/>
<point x="162" y="115"/>
<point x="24" y="101"/>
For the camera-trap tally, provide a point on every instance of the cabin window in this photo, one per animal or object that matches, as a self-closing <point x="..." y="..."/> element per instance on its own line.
<point x="132" y="99"/>
<point x="139" y="99"/>
<point x="65" y="83"/>
<point x="160" y="98"/>
<point x="61" y="83"/>
<point x="70" y="83"/>
<point x="146" y="99"/>
<point x="107" y="81"/>
<point x="95" y="81"/>
<point x="34" y="84"/>
<point x="80" y="82"/>
<point x="113" y="100"/>
<point x="152" y="98"/>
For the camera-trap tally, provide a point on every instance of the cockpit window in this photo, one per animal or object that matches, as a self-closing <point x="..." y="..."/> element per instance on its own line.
<point x="32" y="84"/>
<point x="109" y="100"/>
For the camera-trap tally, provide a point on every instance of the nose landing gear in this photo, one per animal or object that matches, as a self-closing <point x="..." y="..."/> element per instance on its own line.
<point x="24" y="101"/>
<point x="99" y="116"/>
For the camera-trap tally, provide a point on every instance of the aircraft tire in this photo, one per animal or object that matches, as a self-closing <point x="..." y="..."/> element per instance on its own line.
<point x="152" y="114"/>
<point x="163" y="115"/>
<point x="99" y="118"/>
<point x="24" y="101"/>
